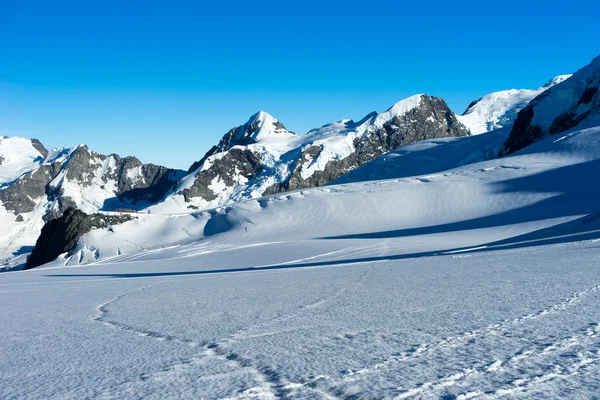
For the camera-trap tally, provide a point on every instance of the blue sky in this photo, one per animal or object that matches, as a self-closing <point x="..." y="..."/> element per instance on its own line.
<point x="165" y="80"/>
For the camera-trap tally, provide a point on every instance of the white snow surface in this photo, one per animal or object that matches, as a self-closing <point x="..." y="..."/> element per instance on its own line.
<point x="480" y="281"/>
<point x="17" y="157"/>
<point x="499" y="109"/>
<point x="400" y="108"/>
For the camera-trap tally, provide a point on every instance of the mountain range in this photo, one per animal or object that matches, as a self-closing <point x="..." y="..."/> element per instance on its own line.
<point x="415" y="136"/>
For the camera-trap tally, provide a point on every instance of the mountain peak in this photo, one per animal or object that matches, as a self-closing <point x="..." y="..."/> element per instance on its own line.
<point x="400" y="108"/>
<point x="261" y="126"/>
<point x="499" y="109"/>
<point x="261" y="116"/>
<point x="556" y="80"/>
<point x="404" y="106"/>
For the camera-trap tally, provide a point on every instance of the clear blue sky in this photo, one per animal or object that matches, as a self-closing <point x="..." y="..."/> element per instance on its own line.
<point x="165" y="80"/>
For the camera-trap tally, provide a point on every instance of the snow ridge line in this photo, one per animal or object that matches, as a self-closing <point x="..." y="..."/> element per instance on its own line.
<point x="466" y="337"/>
<point x="499" y="366"/>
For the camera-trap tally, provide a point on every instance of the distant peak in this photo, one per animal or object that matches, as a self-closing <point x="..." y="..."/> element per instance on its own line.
<point x="263" y="123"/>
<point x="556" y="80"/>
<point x="404" y="106"/>
<point x="261" y="116"/>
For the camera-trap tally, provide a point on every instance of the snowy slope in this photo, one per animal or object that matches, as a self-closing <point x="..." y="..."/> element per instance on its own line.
<point x="18" y="156"/>
<point x="499" y="109"/>
<point x="472" y="193"/>
<point x="429" y="156"/>
<point x="481" y="282"/>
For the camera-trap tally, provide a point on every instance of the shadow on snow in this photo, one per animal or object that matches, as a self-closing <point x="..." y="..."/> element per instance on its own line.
<point x="576" y="191"/>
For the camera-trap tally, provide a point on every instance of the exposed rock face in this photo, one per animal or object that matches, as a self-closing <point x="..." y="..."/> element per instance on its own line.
<point x="227" y="170"/>
<point x="333" y="170"/>
<point x="61" y="235"/>
<point x="124" y="180"/>
<point x="431" y="119"/>
<point x="132" y="181"/>
<point x="23" y="195"/>
<point x="39" y="147"/>
<point x="248" y="133"/>
<point x="558" y="109"/>
<point x="239" y="158"/>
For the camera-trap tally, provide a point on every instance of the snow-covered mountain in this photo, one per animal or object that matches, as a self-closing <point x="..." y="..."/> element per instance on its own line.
<point x="499" y="109"/>
<point x="258" y="158"/>
<point x="262" y="157"/>
<point x="565" y="102"/>
<point x="574" y="102"/>
<point x="37" y="185"/>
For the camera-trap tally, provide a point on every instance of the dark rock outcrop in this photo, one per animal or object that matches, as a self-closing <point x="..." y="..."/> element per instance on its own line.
<point x="432" y="119"/>
<point x="235" y="162"/>
<point x="23" y="194"/>
<point x="62" y="234"/>
<point x="39" y="147"/>
<point x="134" y="180"/>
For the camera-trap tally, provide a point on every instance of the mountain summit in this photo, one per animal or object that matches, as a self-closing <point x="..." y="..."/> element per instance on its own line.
<point x="499" y="109"/>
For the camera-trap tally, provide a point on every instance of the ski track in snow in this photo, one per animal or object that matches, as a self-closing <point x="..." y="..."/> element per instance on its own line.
<point x="206" y="349"/>
<point x="272" y="384"/>
<point x="371" y="330"/>
<point x="467" y="339"/>
<point x="523" y="384"/>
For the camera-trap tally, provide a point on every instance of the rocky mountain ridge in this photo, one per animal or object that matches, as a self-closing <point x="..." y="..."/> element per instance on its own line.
<point x="262" y="157"/>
